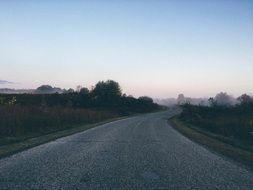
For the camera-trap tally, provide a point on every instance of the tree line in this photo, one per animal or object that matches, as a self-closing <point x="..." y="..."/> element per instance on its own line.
<point x="105" y="94"/>
<point x="22" y="114"/>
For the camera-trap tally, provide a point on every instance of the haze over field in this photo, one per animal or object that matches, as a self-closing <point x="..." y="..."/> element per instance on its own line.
<point x="156" y="48"/>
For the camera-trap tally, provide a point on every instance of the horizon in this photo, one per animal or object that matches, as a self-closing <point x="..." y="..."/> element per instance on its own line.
<point x="154" y="98"/>
<point x="154" y="48"/>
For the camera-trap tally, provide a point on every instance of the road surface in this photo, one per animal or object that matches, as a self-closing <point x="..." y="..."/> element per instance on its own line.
<point x="141" y="152"/>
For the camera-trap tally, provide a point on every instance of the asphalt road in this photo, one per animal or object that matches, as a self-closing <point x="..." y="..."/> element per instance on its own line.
<point x="142" y="152"/>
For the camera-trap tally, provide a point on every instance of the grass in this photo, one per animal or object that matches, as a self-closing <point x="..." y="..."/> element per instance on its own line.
<point x="26" y="142"/>
<point x="215" y="143"/>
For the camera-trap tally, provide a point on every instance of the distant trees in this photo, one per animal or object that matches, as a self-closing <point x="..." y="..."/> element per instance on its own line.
<point x="84" y="91"/>
<point x="223" y="99"/>
<point x="69" y="91"/>
<point x="105" y="94"/>
<point x="212" y="102"/>
<point x="44" y="89"/>
<point x="146" y="99"/>
<point x="47" y="89"/>
<point x="245" y="99"/>
<point x="181" y="99"/>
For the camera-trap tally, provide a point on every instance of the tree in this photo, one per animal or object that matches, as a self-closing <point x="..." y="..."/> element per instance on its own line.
<point x="44" y="89"/>
<point x="107" y="89"/>
<point x="106" y="93"/>
<point x="180" y="99"/>
<point x="69" y="91"/>
<point x="47" y="89"/>
<point x="223" y="99"/>
<point x="84" y="91"/>
<point x="146" y="99"/>
<point x="212" y="102"/>
<point x="244" y="99"/>
<point x="78" y="88"/>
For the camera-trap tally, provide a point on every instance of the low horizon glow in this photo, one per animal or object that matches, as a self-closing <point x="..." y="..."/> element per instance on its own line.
<point x="154" y="48"/>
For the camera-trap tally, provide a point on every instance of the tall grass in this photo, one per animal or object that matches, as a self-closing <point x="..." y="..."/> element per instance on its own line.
<point x="16" y="120"/>
<point x="235" y="122"/>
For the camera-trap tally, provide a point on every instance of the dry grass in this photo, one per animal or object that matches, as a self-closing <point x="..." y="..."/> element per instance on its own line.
<point x="240" y="155"/>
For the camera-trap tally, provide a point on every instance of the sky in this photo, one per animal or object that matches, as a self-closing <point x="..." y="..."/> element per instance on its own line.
<point x="158" y="48"/>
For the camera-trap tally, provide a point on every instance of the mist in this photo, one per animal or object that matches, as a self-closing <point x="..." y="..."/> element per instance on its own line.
<point x="220" y="99"/>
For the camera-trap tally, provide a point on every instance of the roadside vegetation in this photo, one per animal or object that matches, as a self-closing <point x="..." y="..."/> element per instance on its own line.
<point x="235" y="122"/>
<point x="30" y="115"/>
<point x="231" y="124"/>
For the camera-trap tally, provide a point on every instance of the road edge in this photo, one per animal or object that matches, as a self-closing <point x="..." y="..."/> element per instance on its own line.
<point x="240" y="156"/>
<point x="10" y="149"/>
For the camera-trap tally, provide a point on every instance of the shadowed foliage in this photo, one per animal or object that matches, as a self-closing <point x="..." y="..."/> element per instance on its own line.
<point x="23" y="114"/>
<point x="234" y="122"/>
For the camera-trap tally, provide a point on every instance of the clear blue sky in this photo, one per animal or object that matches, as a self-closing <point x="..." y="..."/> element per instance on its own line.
<point x="151" y="47"/>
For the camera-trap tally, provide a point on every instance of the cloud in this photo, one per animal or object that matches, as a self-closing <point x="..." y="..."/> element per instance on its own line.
<point x="5" y="82"/>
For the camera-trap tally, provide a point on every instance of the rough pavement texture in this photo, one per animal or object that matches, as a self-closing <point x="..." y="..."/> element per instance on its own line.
<point x="142" y="152"/>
